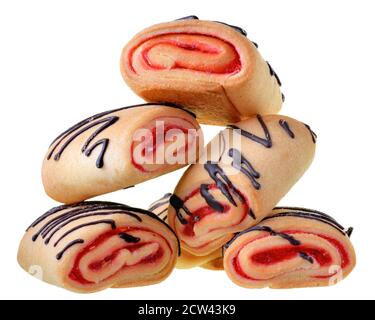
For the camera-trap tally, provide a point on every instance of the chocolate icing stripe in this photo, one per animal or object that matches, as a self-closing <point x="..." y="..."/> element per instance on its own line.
<point x="241" y="163"/>
<point x="110" y="222"/>
<point x="313" y="134"/>
<point x="293" y="241"/>
<point x="128" y="237"/>
<point x="63" y="221"/>
<point x="273" y="73"/>
<point x="104" y="143"/>
<point x="75" y="131"/>
<point x="60" y="208"/>
<point x="177" y="203"/>
<point x="306" y="210"/>
<point x="238" y="29"/>
<point x="308" y="216"/>
<point x="211" y="201"/>
<point x="78" y="209"/>
<point x="192" y="17"/>
<point x="162" y="201"/>
<point x="306" y="257"/>
<point x="105" y="113"/>
<point x="266" y="142"/>
<point x="284" y="124"/>
<point x="71" y="244"/>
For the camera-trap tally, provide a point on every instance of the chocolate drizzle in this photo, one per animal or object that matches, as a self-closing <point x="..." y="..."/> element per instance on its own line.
<point x="238" y="29"/>
<point x="306" y="257"/>
<point x="307" y="214"/>
<point x="273" y="73"/>
<point x="265" y="142"/>
<point x="211" y="201"/>
<point x="313" y="134"/>
<point x="110" y="222"/>
<point x="284" y="124"/>
<point x="178" y="205"/>
<point x="68" y="246"/>
<point x="192" y="17"/>
<point x="82" y="210"/>
<point x="128" y="237"/>
<point x="161" y="202"/>
<point x="241" y="163"/>
<point x="102" y="122"/>
<point x="293" y="241"/>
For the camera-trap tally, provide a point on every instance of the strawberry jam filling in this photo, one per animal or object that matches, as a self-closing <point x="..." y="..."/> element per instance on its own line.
<point x="98" y="265"/>
<point x="188" y="51"/>
<point x="280" y="254"/>
<point x="204" y="211"/>
<point x="155" y="142"/>
<point x="283" y="253"/>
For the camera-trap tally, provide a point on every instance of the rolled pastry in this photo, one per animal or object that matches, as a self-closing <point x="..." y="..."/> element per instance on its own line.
<point x="209" y="67"/>
<point x="185" y="260"/>
<point x="95" y="245"/>
<point x="294" y="247"/>
<point x="250" y="166"/>
<point x="119" y="148"/>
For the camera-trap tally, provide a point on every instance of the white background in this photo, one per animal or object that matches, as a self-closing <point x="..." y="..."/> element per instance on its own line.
<point x="59" y="63"/>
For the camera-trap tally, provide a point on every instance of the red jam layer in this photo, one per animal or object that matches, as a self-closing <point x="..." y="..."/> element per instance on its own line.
<point x="204" y="211"/>
<point x="76" y="274"/>
<point x="155" y="144"/>
<point x="337" y="244"/>
<point x="230" y="67"/>
<point x="280" y="254"/>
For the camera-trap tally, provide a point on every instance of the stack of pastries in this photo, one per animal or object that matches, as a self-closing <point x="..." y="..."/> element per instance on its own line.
<point x="223" y="213"/>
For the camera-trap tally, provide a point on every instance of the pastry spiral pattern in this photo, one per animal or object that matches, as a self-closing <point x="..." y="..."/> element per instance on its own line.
<point x="293" y="247"/>
<point x="90" y="246"/>
<point x="209" y="67"/>
<point x="187" y="260"/>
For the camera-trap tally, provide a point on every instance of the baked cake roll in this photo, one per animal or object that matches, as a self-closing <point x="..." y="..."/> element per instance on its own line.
<point x="293" y="247"/>
<point x="119" y="148"/>
<point x="185" y="260"/>
<point x="250" y="166"/>
<point x="210" y="67"/>
<point x="95" y="245"/>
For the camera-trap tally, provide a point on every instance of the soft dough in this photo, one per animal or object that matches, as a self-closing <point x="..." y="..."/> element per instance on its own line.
<point x="293" y="247"/>
<point x="95" y="245"/>
<point x="248" y="168"/>
<point x="119" y="148"/>
<point x="209" y="67"/>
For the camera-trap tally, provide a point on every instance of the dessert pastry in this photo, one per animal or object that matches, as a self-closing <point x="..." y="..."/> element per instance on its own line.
<point x="185" y="260"/>
<point x="94" y="245"/>
<point x="209" y="67"/>
<point x="249" y="167"/>
<point x="119" y="148"/>
<point x="293" y="247"/>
